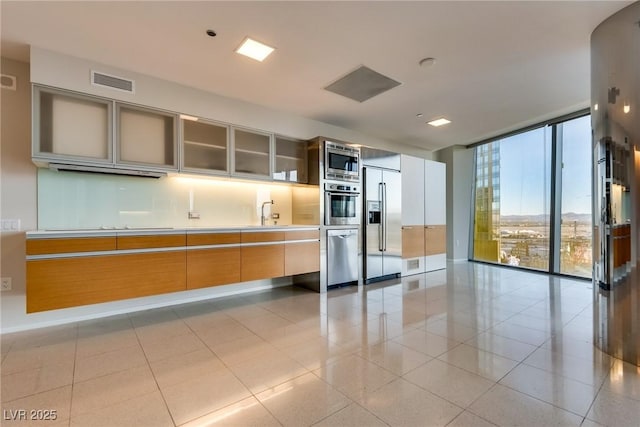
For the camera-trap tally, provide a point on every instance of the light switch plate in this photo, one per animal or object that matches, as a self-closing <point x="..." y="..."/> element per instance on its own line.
<point x="5" y="284"/>
<point x="10" y="225"/>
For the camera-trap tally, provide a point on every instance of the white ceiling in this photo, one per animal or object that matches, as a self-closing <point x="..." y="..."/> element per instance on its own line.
<point x="499" y="65"/>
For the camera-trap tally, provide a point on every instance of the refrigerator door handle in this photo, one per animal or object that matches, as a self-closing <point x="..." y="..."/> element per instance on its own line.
<point x="384" y="212"/>
<point x="380" y="223"/>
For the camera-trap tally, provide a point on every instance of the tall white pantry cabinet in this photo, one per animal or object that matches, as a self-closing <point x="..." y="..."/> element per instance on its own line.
<point x="423" y="215"/>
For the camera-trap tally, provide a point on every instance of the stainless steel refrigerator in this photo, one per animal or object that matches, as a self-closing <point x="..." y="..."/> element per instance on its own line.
<point x="382" y="223"/>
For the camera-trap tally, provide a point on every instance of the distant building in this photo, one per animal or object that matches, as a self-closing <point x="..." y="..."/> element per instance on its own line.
<point x="487" y="207"/>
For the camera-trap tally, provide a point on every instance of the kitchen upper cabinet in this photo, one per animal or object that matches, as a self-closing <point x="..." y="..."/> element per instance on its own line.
<point x="205" y="146"/>
<point x="71" y="127"/>
<point x="146" y="137"/>
<point x="251" y="153"/>
<point x="435" y="197"/>
<point x="291" y="160"/>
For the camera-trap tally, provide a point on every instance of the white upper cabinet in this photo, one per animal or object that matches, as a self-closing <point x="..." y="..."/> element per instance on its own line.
<point x="146" y="138"/>
<point x="413" y="204"/>
<point x="435" y="197"/>
<point x="251" y="153"/>
<point x="205" y="146"/>
<point x="68" y="126"/>
<point x="291" y="160"/>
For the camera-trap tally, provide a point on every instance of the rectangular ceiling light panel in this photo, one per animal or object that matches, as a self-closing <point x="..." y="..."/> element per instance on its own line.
<point x="362" y="84"/>
<point x="254" y="49"/>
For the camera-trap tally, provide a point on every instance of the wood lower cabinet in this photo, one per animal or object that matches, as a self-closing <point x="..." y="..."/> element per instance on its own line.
<point x="262" y="262"/>
<point x="301" y="258"/>
<point x="435" y="239"/>
<point x="66" y="245"/>
<point x="412" y="241"/>
<point x="68" y="282"/>
<point x="213" y="267"/>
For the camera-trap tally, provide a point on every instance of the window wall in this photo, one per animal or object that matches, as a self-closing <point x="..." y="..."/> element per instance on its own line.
<point x="532" y="199"/>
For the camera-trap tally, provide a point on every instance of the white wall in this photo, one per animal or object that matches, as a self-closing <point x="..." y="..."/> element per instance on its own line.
<point x="18" y="175"/>
<point x="459" y="162"/>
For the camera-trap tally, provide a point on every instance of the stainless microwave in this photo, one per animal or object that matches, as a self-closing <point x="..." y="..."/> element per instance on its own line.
<point x="341" y="162"/>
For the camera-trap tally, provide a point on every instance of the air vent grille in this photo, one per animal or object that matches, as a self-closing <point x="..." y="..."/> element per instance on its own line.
<point x="113" y="82"/>
<point x="8" y="82"/>
<point x="362" y="84"/>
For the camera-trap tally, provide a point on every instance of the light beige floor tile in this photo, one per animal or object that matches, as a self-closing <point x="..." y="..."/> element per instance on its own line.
<point x="591" y="372"/>
<point x="315" y="353"/>
<point x="557" y="390"/>
<point x="184" y="367"/>
<point x="354" y="376"/>
<point x="160" y="331"/>
<point x="46" y="337"/>
<point x="394" y="357"/>
<point x="286" y="336"/>
<point x="353" y="415"/>
<point x="105" y="326"/>
<point x="26" y="358"/>
<point x="139" y="411"/>
<point x="480" y="362"/>
<point x="155" y="317"/>
<point x="467" y="419"/>
<point x="243" y="349"/>
<point x="26" y="383"/>
<point x="267" y="371"/>
<point x="426" y="342"/>
<point x="108" y="363"/>
<point x="194" y="398"/>
<point x="505" y="347"/>
<point x="507" y="407"/>
<point x="265" y="323"/>
<point x="401" y="403"/>
<point x="247" y="412"/>
<point x="384" y="329"/>
<point x="225" y="332"/>
<point x="520" y="333"/>
<point x="451" y="330"/>
<point x="245" y="311"/>
<point x="302" y="401"/>
<point x="164" y="348"/>
<point x="57" y="402"/>
<point x="582" y="349"/>
<point x="97" y="393"/>
<point x="449" y="382"/>
<point x="624" y="379"/>
<point x="614" y="410"/>
<point x="93" y="345"/>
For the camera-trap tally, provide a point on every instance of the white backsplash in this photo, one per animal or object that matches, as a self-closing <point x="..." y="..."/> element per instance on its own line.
<point x="72" y="200"/>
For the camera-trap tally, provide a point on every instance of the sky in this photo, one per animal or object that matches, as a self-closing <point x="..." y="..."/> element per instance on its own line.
<point x="525" y="170"/>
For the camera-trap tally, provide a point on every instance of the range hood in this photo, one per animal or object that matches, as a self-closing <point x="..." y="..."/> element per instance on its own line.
<point x="105" y="170"/>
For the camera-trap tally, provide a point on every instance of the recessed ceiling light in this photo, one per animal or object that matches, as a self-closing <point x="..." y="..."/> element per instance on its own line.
<point x="419" y="115"/>
<point x="427" y="62"/>
<point x="626" y="108"/>
<point x="439" y="122"/>
<point x="254" y="49"/>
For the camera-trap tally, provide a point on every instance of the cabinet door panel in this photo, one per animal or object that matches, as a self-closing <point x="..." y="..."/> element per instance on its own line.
<point x="212" y="267"/>
<point x="413" y="187"/>
<point x="262" y="262"/>
<point x="71" y="245"/>
<point x="146" y="137"/>
<point x="435" y="198"/>
<point x="413" y="241"/>
<point x="300" y="258"/>
<point x="70" y="282"/>
<point x="435" y="239"/>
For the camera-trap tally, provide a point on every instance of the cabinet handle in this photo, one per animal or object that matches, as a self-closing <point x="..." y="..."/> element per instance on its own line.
<point x="407" y="228"/>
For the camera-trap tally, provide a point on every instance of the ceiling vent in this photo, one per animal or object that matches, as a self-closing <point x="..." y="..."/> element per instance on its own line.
<point x="112" y="82"/>
<point x="362" y="84"/>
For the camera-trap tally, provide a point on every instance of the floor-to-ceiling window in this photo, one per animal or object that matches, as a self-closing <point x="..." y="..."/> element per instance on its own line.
<point x="533" y="200"/>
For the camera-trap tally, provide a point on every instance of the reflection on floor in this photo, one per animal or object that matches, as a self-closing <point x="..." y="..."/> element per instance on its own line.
<point x="473" y="345"/>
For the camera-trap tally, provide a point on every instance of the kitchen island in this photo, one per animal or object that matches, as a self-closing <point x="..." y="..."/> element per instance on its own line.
<point x="69" y="268"/>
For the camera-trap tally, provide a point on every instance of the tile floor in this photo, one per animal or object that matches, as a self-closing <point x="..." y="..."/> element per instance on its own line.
<point x="473" y="345"/>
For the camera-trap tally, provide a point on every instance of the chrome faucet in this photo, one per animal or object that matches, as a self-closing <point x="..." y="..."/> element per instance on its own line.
<point x="262" y="217"/>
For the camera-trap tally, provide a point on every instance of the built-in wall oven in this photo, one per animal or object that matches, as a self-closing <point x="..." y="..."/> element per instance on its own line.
<point x="341" y="162"/>
<point x="342" y="204"/>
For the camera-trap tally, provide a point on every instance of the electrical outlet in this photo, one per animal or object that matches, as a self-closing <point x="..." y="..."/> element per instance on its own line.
<point x="5" y="284"/>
